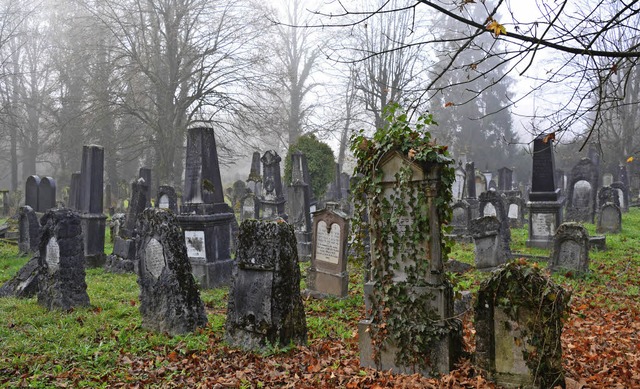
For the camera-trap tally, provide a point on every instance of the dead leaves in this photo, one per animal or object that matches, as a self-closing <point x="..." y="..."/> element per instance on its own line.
<point x="496" y="28"/>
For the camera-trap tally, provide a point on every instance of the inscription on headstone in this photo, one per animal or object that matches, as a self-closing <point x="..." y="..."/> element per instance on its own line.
<point x="543" y="224"/>
<point x="163" y="202"/>
<point x="154" y="258"/>
<point x="52" y="255"/>
<point x="328" y="243"/>
<point x="513" y="211"/>
<point x="570" y="253"/>
<point x="195" y="244"/>
<point x="489" y="210"/>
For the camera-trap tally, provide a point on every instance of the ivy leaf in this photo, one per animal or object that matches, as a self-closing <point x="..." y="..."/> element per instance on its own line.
<point x="496" y="28"/>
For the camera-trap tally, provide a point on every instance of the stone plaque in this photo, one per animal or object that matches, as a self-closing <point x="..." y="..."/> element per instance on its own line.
<point x="253" y="295"/>
<point x="581" y="194"/>
<point x="570" y="254"/>
<point x="509" y="344"/>
<point x="513" y="211"/>
<point x="163" y="202"/>
<point x="194" y="241"/>
<point x="328" y="243"/>
<point x="489" y="210"/>
<point x="485" y="251"/>
<point x="53" y="255"/>
<point x="543" y="224"/>
<point x="154" y="258"/>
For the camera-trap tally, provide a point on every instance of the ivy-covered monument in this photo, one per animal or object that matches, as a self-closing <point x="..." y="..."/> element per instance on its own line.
<point x="406" y="191"/>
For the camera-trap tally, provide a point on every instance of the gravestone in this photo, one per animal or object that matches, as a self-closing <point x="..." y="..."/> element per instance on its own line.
<point x="254" y="181"/>
<point x="167" y="198"/>
<point x="5" y="202"/>
<point x="610" y="219"/>
<point x="28" y="230"/>
<point x="481" y="183"/>
<point x="491" y="242"/>
<point x="607" y="194"/>
<point x="460" y="218"/>
<point x="581" y="206"/>
<point x="272" y="202"/>
<point x="74" y="191"/>
<point x="91" y="203"/>
<point x="248" y="207"/>
<point x="458" y="184"/>
<point x="607" y="179"/>
<point x="169" y="297"/>
<point x="31" y="192"/>
<point x="518" y="322"/>
<point x="516" y="207"/>
<point x="145" y="174"/>
<point x="505" y="179"/>
<point x="204" y="216"/>
<point x="492" y="203"/>
<point x="623" y="176"/>
<point x="298" y="205"/>
<point x="61" y="283"/>
<point x="471" y="196"/>
<point x="622" y="192"/>
<point x="328" y="274"/>
<point x="545" y="199"/>
<point x="265" y="306"/>
<point x="25" y="283"/>
<point x="416" y="268"/>
<point x="46" y="194"/>
<point x="570" y="249"/>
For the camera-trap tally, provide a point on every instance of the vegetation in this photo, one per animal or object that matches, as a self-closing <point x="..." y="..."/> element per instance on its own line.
<point x="320" y="162"/>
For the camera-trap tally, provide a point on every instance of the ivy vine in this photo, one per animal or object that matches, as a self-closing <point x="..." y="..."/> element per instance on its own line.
<point x="401" y="232"/>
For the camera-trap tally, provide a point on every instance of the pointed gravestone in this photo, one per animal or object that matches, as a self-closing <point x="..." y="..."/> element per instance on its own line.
<point x="298" y="206"/>
<point x="62" y="282"/>
<point x="265" y="306"/>
<point x="169" y="297"/>
<point x="272" y="202"/>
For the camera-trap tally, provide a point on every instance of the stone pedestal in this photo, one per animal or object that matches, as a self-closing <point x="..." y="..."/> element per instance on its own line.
<point x="208" y="240"/>
<point x="93" y="228"/>
<point x="544" y="219"/>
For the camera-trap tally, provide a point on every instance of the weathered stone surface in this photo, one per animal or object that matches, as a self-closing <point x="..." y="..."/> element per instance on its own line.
<point x="169" y="297"/>
<point x="265" y="305"/>
<point x="582" y="194"/>
<point x="28" y="229"/>
<point x="492" y="244"/>
<point x="609" y="219"/>
<point x="570" y="248"/>
<point x="62" y="276"/>
<point x="25" y="283"/>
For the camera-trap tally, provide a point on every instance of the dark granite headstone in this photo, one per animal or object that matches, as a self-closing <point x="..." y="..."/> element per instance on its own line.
<point x="607" y="194"/>
<point x="470" y="174"/>
<point x="145" y="174"/>
<point x="74" y="191"/>
<point x="62" y="282"/>
<point x="91" y="203"/>
<point x="298" y="205"/>
<point x="505" y="179"/>
<point x="31" y="192"/>
<point x="167" y="198"/>
<point x="28" y="230"/>
<point x="169" y="297"/>
<point x="543" y="185"/>
<point x="570" y="249"/>
<point x="46" y="194"/>
<point x="265" y="306"/>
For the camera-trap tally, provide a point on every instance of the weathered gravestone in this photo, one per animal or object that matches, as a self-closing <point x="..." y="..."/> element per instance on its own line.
<point x="74" y="191"/>
<point x="491" y="203"/>
<point x="570" y="249"/>
<point x="607" y="179"/>
<point x="167" y="198"/>
<point x="515" y="211"/>
<point x="480" y="183"/>
<point x="298" y="205"/>
<point x="492" y="239"/>
<point x="609" y="219"/>
<point x="31" y="192"/>
<point x="145" y="174"/>
<point x="28" y="230"/>
<point x="607" y="194"/>
<point x="327" y="274"/>
<point x="622" y="192"/>
<point x="458" y="185"/>
<point x="545" y="199"/>
<point x="46" y="194"/>
<point x="61" y="283"/>
<point x="204" y="216"/>
<point x="169" y="297"/>
<point x="413" y="267"/>
<point x="518" y="321"/>
<point x="460" y="218"/>
<point x="581" y="206"/>
<point x="25" y="283"/>
<point x="505" y="179"/>
<point x="470" y="189"/>
<point x="265" y="306"/>
<point x="272" y="202"/>
<point x="91" y="203"/>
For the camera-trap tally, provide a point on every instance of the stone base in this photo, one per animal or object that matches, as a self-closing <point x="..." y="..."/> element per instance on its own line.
<point x="211" y="275"/>
<point x="598" y="242"/>
<point x="321" y="284"/>
<point x="447" y="352"/>
<point x="119" y="265"/>
<point x="95" y="260"/>
<point x="304" y="251"/>
<point x="93" y="229"/>
<point x="544" y="218"/>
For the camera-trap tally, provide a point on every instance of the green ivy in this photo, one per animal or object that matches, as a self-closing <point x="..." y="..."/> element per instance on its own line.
<point x="401" y="311"/>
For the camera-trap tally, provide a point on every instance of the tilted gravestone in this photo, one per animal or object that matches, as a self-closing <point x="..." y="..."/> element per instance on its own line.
<point x="581" y="206"/>
<point x="61" y="281"/>
<point x="609" y="219"/>
<point x="328" y="274"/>
<point x="518" y="322"/>
<point x="265" y="306"/>
<point x="298" y="205"/>
<point x="570" y="249"/>
<point x="169" y="297"/>
<point x="416" y="269"/>
<point x="545" y="198"/>
<point x="28" y="230"/>
<point x="491" y="239"/>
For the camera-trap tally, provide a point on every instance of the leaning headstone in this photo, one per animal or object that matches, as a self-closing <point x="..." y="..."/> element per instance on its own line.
<point x="28" y="230"/>
<point x="545" y="199"/>
<point x="169" y="297"/>
<point x="74" y="191"/>
<point x="46" y="194"/>
<point x="25" y="283"/>
<point x="327" y="275"/>
<point x="204" y="216"/>
<point x="582" y="192"/>
<point x="61" y="283"/>
<point x="570" y="249"/>
<point x="91" y="203"/>
<point x="265" y="306"/>
<point x="167" y="198"/>
<point x="272" y="202"/>
<point x="31" y="192"/>
<point x="610" y="219"/>
<point x="518" y="321"/>
<point x="491" y="241"/>
<point x="415" y="269"/>
<point x="298" y="205"/>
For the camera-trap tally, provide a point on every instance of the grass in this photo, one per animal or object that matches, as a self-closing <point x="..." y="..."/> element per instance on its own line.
<point x="92" y="342"/>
